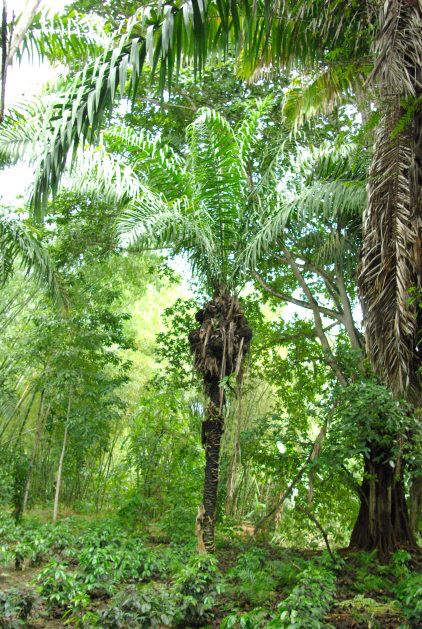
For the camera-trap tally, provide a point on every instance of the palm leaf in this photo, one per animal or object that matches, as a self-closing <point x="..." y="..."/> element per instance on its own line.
<point x="20" y="243"/>
<point x="71" y="38"/>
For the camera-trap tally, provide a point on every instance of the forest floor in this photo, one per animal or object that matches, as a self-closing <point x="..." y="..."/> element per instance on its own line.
<point x="94" y="573"/>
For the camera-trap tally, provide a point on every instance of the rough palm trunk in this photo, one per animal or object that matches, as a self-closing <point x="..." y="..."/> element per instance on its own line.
<point x="391" y="264"/>
<point x="219" y="347"/>
<point x="383" y="521"/>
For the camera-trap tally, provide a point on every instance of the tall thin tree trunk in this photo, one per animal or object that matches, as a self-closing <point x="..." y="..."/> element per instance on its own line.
<point x="415" y="503"/>
<point x="231" y="479"/>
<point x="4" y="54"/>
<point x="38" y="435"/>
<point x="60" y="468"/>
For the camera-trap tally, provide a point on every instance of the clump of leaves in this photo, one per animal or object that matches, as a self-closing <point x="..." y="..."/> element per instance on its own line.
<point x="367" y="610"/>
<point x="255" y="619"/>
<point x="198" y="586"/>
<point x="409" y="593"/>
<point x="143" y="607"/>
<point x="251" y="579"/>
<point x="16" y="607"/>
<point x="309" y="601"/>
<point x="106" y="562"/>
<point x="61" y="589"/>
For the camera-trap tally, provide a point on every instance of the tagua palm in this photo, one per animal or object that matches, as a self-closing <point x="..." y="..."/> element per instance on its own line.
<point x="201" y="206"/>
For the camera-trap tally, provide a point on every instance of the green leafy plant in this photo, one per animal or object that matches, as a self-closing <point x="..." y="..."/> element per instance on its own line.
<point x="142" y="606"/>
<point x="16" y="607"/>
<point x="61" y="589"/>
<point x="252" y="581"/>
<point x="198" y="585"/>
<point x="309" y="601"/>
<point x="251" y="620"/>
<point x="409" y="593"/>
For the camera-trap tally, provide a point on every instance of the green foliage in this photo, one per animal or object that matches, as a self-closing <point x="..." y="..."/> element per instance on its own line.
<point x="309" y="601"/>
<point x="367" y="610"/>
<point x="142" y="606"/>
<point x="251" y="620"/>
<point x="112" y="560"/>
<point x="198" y="585"/>
<point x="366" y="415"/>
<point x="409" y="593"/>
<point x="61" y="588"/>
<point x="252" y="577"/>
<point x="15" y="607"/>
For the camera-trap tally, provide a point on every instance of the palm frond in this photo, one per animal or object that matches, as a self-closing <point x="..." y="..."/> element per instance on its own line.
<point x="98" y="173"/>
<point x="266" y="234"/>
<point x="77" y="115"/>
<point x="333" y="85"/>
<point x="152" y="222"/>
<point x="19" y="243"/>
<point x="248" y="134"/>
<point x="217" y="178"/>
<point x="340" y="199"/>
<point x="155" y="162"/>
<point x="70" y="38"/>
<point x="21" y="130"/>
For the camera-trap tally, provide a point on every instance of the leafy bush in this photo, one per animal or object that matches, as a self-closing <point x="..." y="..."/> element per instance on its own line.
<point x="409" y="593"/>
<point x="369" y="611"/>
<point x="104" y="563"/>
<point x="252" y="579"/>
<point x="143" y="607"/>
<point x="254" y="619"/>
<point x="309" y="601"/>
<point x="61" y="589"/>
<point x="198" y="585"/>
<point x="15" y="607"/>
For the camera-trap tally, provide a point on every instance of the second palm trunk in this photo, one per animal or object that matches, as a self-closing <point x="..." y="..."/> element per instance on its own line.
<point x="219" y="346"/>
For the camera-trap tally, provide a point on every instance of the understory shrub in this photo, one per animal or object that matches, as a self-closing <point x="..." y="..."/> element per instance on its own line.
<point x="309" y="601"/>
<point x="252" y="579"/>
<point x="409" y="593"/>
<point x="61" y="589"/>
<point x="304" y="608"/>
<point x="15" y="607"/>
<point x="142" y="606"/>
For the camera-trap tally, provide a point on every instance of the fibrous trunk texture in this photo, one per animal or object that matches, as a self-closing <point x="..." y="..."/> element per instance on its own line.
<point x="383" y="521"/>
<point x="219" y="346"/>
<point x="391" y="267"/>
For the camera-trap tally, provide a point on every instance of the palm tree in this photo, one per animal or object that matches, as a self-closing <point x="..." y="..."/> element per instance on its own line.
<point x="200" y="205"/>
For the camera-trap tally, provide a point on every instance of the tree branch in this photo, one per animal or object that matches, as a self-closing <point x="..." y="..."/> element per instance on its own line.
<point x="298" y="302"/>
<point x="316" y="309"/>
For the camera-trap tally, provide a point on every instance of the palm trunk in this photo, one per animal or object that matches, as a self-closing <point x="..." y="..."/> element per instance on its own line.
<point x="236" y="458"/>
<point x="212" y="430"/>
<point x="219" y="347"/>
<point x="383" y="522"/>
<point x="60" y="467"/>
